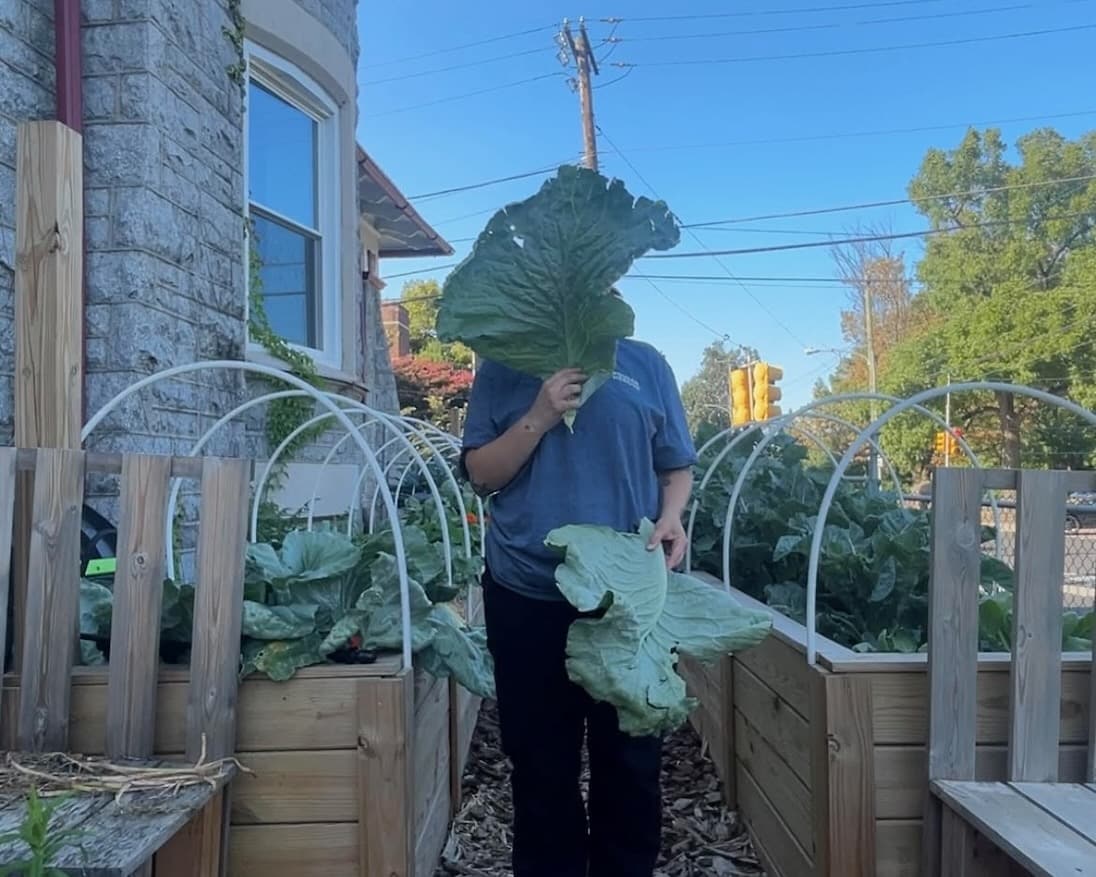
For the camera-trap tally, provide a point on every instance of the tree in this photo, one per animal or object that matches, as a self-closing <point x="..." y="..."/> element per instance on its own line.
<point x="420" y="300"/>
<point x="428" y="389"/>
<point x="707" y="394"/>
<point x="1007" y="278"/>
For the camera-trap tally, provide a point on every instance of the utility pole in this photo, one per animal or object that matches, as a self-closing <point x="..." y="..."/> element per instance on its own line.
<point x="869" y="342"/>
<point x="577" y="47"/>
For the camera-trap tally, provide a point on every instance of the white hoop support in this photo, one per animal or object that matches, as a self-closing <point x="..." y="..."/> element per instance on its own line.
<point x="335" y="411"/>
<point x="912" y="403"/>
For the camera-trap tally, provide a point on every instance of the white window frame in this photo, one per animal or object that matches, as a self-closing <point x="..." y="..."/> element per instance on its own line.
<point x="292" y="85"/>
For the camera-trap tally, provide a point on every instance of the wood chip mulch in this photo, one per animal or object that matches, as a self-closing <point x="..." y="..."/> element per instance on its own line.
<point x="701" y="837"/>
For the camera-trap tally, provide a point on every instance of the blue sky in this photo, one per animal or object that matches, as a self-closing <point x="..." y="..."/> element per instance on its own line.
<point x="717" y="140"/>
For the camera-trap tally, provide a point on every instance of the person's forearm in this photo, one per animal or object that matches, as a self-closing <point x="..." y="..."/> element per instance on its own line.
<point x="677" y="487"/>
<point x="493" y="466"/>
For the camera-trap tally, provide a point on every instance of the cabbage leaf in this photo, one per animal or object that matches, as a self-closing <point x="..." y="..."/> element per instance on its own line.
<point x="535" y="292"/>
<point x="642" y="616"/>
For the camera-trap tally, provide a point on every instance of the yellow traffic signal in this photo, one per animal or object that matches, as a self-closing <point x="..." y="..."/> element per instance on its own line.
<point x="940" y="445"/>
<point x="765" y="392"/>
<point x="741" y="409"/>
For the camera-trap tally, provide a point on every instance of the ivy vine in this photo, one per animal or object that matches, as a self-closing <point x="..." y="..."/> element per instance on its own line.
<point x="237" y="71"/>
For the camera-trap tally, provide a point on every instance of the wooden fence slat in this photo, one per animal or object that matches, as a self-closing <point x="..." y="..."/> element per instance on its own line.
<point x="1035" y="680"/>
<point x="52" y="600"/>
<point x="955" y="571"/>
<point x="7" y="513"/>
<point x="953" y="623"/>
<point x="138" y="598"/>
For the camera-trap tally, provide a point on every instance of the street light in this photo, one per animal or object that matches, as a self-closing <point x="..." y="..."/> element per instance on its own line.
<point x="875" y="463"/>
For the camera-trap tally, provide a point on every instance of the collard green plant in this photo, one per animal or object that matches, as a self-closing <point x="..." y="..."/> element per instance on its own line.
<point x="535" y="292"/>
<point x="874" y="571"/>
<point x="40" y="839"/>
<point x="643" y="617"/>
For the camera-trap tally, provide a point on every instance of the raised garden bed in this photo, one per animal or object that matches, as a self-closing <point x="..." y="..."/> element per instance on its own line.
<point x="351" y="764"/>
<point x="827" y="764"/>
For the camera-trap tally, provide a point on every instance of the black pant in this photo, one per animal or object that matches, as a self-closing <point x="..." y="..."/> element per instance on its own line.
<point x="543" y="719"/>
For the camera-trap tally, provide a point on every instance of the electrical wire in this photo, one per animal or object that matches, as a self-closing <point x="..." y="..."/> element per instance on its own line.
<point x="484" y="183"/>
<point x="818" y="211"/>
<point x="467" y="94"/>
<point x="463" y="66"/>
<point x="801" y="10"/>
<point x="847" y="135"/>
<point x="458" y="48"/>
<point x="868" y="50"/>
<point x="776" y="320"/>
<point x="778" y="248"/>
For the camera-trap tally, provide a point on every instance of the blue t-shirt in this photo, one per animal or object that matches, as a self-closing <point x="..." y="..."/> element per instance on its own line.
<point x="605" y="473"/>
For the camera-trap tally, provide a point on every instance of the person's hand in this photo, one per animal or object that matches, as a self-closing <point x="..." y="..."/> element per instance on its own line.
<point x="670" y="535"/>
<point x="558" y="395"/>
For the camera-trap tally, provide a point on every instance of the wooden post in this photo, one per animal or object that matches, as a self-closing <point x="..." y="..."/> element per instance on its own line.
<point x="49" y="259"/>
<point x="842" y="774"/>
<point x="386" y="818"/>
<point x="726" y="719"/>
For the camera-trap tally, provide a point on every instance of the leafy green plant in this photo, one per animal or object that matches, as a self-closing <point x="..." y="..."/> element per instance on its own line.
<point x="43" y="843"/>
<point x="643" y="618"/>
<point x="535" y="293"/>
<point x="874" y="568"/>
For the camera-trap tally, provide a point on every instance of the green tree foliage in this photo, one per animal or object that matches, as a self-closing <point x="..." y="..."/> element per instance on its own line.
<point x="420" y="298"/>
<point x="1007" y="294"/>
<point x="707" y="394"/>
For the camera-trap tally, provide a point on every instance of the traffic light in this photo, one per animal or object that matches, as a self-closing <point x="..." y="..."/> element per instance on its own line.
<point x="953" y="442"/>
<point x="765" y="392"/>
<point x="741" y="407"/>
<point x="939" y="444"/>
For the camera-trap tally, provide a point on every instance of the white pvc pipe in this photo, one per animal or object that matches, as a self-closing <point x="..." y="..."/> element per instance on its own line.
<point x="858" y="444"/>
<point x="336" y="412"/>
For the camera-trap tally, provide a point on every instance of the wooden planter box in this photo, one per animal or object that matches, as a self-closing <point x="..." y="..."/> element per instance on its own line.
<point x="827" y="764"/>
<point x="353" y="766"/>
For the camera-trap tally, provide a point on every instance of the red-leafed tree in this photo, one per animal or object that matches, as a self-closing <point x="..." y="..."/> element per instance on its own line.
<point x="428" y="389"/>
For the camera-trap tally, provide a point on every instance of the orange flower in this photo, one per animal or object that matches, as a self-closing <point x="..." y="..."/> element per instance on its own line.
<point x="472" y="519"/>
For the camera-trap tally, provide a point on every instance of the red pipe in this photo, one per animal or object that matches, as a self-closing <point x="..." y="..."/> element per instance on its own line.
<point x="70" y="111"/>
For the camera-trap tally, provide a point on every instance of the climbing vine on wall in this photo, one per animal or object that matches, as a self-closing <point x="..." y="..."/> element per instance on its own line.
<point x="237" y="71"/>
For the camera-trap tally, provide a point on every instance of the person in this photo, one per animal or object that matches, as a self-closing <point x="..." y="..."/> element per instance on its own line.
<point x="630" y="456"/>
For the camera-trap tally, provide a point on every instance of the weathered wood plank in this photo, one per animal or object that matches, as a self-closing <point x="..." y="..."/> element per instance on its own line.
<point x="52" y="601"/>
<point x="317" y="850"/>
<point x="786" y="731"/>
<point x="1069" y="803"/>
<point x="788" y="794"/>
<point x="138" y="598"/>
<point x="968" y="854"/>
<point x="782" y="668"/>
<point x="296" y="787"/>
<point x="386" y="776"/>
<point x="901" y="716"/>
<point x="953" y="623"/>
<point x="766" y="825"/>
<point x="1026" y="832"/>
<point x="898" y="848"/>
<point x="7" y="513"/>
<point x="843" y="777"/>
<point x="123" y="835"/>
<point x="1036" y="678"/>
<point x="432" y="756"/>
<point x="49" y="264"/>
<point x="901" y="775"/>
<point x="1091" y="773"/>
<point x="218" y="609"/>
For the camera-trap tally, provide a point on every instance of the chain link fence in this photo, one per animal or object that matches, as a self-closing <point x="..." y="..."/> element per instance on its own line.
<point x="1079" y="581"/>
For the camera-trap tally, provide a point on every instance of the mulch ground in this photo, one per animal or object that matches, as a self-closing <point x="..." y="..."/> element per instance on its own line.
<point x="701" y="837"/>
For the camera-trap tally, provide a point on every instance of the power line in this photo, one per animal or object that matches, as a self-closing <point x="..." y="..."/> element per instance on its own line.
<point x="467" y="94"/>
<point x="869" y="50"/>
<point x="786" y="11"/>
<point x="818" y="211"/>
<point x="846" y="135"/>
<point x="472" y="45"/>
<point x="463" y="66"/>
<point x="483" y="184"/>
<point x="856" y="240"/>
<point x="695" y="237"/>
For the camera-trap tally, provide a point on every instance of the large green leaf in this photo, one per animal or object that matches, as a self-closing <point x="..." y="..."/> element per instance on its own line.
<point x="645" y="617"/>
<point x="459" y="651"/>
<point x="96" y="605"/>
<point x="278" y="622"/>
<point x="534" y="294"/>
<point x="280" y="659"/>
<point x="384" y="629"/>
